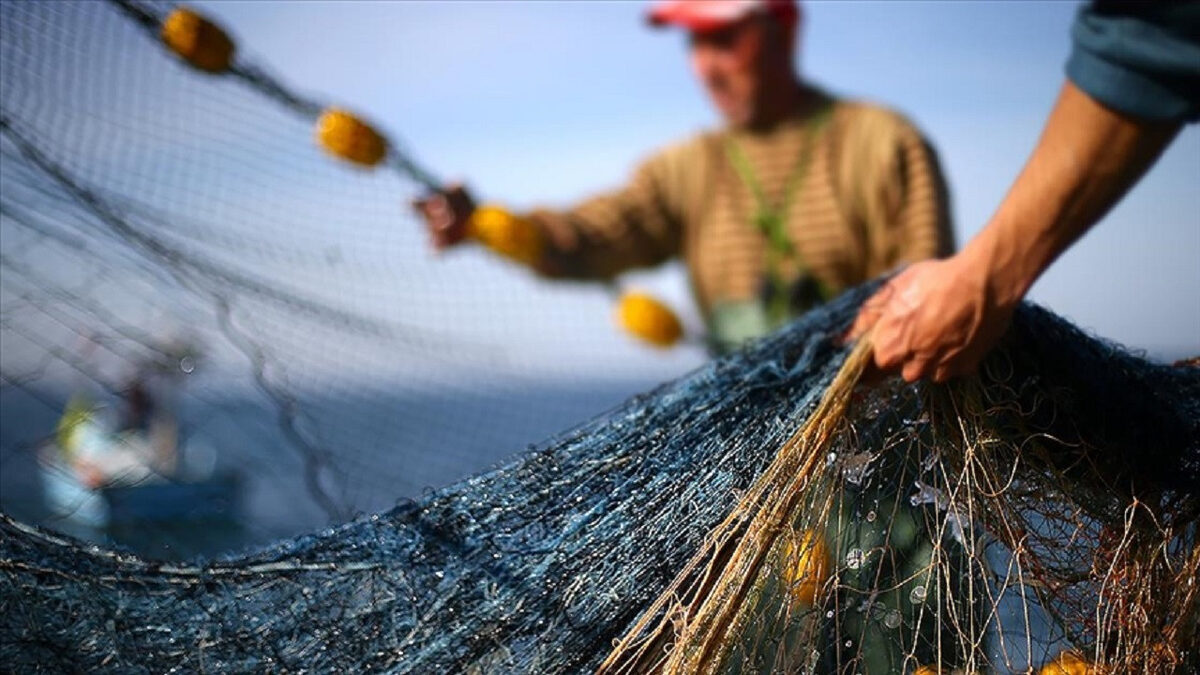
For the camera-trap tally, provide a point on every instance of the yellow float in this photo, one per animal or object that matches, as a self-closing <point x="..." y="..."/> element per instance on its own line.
<point x="1068" y="663"/>
<point x="510" y="236"/>
<point x="648" y="319"/>
<point x="806" y="567"/>
<point x="198" y="41"/>
<point x="346" y="136"/>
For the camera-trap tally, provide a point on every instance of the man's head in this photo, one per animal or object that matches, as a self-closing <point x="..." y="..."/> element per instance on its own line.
<point x="741" y="51"/>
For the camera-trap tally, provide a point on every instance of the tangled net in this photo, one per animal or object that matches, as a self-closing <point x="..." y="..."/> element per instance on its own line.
<point x="763" y="514"/>
<point x="767" y="513"/>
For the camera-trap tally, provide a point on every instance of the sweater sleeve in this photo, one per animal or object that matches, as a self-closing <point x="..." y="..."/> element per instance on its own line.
<point x="638" y="225"/>
<point x="1139" y="58"/>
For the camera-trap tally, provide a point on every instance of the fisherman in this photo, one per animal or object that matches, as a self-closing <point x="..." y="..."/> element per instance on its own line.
<point x="1133" y="80"/>
<point x="140" y="408"/>
<point x="148" y="424"/>
<point x="798" y="197"/>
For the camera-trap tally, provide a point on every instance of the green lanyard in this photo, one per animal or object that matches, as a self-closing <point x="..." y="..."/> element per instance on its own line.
<point x="771" y="219"/>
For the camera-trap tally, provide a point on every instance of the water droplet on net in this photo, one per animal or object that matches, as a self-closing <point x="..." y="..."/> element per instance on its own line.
<point x="854" y="559"/>
<point x="870" y="516"/>
<point x="917" y="595"/>
<point x="892" y="619"/>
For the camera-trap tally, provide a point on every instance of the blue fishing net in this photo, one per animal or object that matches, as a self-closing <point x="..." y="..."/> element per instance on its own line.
<point x="541" y="564"/>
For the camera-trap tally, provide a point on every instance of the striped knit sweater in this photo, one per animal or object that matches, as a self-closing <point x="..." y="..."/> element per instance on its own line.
<point x="872" y="198"/>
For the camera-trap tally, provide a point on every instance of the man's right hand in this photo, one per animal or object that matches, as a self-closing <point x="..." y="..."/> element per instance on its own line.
<point x="446" y="214"/>
<point x="938" y="318"/>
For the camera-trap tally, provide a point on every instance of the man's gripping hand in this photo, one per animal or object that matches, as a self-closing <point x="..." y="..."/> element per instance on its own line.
<point x="936" y="319"/>
<point x="446" y="214"/>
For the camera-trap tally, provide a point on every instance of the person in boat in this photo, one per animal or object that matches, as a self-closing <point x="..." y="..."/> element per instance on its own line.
<point x="148" y="425"/>
<point x="139" y="407"/>
<point x="800" y="195"/>
<point x="79" y="437"/>
<point x="140" y="446"/>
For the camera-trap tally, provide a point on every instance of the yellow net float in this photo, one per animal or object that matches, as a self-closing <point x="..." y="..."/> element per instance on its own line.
<point x="344" y="135"/>
<point x="509" y="235"/>
<point x="927" y="670"/>
<point x="1068" y="663"/>
<point x="648" y="319"/>
<point x="806" y="567"/>
<point x="198" y="41"/>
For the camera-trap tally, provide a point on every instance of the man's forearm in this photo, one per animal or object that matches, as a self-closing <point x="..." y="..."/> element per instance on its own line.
<point x="1086" y="160"/>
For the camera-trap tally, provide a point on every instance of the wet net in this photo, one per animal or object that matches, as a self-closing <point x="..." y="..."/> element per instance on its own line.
<point x="768" y="513"/>
<point x="760" y="515"/>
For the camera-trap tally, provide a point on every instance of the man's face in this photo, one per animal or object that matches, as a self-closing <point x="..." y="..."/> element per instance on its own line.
<point x="733" y="64"/>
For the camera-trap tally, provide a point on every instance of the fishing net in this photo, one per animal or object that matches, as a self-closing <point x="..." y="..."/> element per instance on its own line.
<point x="185" y="232"/>
<point x="769" y="513"/>
<point x="763" y="514"/>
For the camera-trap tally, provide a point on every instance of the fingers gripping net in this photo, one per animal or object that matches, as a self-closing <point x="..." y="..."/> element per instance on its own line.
<point x="1002" y="524"/>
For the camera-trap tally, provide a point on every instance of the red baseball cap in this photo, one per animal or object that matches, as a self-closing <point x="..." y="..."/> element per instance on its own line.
<point x="706" y="15"/>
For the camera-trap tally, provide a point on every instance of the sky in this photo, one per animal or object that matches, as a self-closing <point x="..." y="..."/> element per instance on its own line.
<point x="545" y="102"/>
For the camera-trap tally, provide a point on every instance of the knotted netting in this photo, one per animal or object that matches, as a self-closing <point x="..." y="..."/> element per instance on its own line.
<point x="767" y="513"/>
<point x="763" y="514"/>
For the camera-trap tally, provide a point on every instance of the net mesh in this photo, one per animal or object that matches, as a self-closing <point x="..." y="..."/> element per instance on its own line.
<point x="1031" y="516"/>
<point x="154" y="215"/>
<point x="761" y="515"/>
<point x="767" y="513"/>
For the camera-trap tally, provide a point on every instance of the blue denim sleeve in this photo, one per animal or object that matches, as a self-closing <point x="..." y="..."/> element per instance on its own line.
<point x="1139" y="58"/>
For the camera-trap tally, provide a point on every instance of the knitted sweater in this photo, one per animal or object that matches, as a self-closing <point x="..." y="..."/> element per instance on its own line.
<point x="871" y="198"/>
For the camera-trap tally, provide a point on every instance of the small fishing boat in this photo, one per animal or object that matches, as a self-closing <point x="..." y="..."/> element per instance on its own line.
<point x="215" y="498"/>
<point x="94" y="480"/>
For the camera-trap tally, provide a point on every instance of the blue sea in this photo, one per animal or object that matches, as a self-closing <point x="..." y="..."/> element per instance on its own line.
<point x="412" y="445"/>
